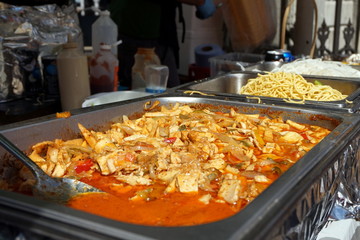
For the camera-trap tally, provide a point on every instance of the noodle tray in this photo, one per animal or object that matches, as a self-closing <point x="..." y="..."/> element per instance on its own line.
<point x="230" y="84"/>
<point x="296" y="206"/>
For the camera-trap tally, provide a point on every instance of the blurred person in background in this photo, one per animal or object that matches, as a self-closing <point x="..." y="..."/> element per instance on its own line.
<point x="152" y="24"/>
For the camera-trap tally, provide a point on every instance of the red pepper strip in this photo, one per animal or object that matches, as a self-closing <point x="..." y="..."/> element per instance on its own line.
<point x="84" y="166"/>
<point x="304" y="136"/>
<point x="170" y="140"/>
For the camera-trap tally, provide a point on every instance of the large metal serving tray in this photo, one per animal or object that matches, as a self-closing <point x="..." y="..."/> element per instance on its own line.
<point x="295" y="206"/>
<point x="229" y="85"/>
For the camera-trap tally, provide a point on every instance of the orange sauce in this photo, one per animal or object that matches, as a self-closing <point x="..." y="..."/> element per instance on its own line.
<point x="173" y="209"/>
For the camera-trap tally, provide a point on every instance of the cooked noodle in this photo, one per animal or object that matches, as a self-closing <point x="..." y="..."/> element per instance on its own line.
<point x="289" y="86"/>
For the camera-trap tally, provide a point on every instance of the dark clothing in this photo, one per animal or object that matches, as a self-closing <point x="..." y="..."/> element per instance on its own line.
<point x="137" y="18"/>
<point x="146" y="23"/>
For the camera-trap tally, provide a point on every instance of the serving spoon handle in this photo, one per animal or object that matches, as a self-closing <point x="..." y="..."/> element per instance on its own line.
<point x="58" y="190"/>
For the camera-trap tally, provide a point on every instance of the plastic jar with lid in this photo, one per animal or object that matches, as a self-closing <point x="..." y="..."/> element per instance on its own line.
<point x="143" y="57"/>
<point x="104" y="68"/>
<point x="73" y="75"/>
<point x="104" y="31"/>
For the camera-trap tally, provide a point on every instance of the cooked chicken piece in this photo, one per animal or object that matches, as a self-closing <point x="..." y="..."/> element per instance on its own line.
<point x="104" y="145"/>
<point x="278" y="127"/>
<point x="116" y="136"/>
<point x="173" y="129"/>
<point x="187" y="182"/>
<point x="106" y="164"/>
<point x="66" y="157"/>
<point x="229" y="190"/>
<point x="269" y="147"/>
<point x="162" y="164"/>
<point x="175" y="158"/>
<point x="217" y="163"/>
<point x="59" y="170"/>
<point x="296" y="125"/>
<point x="186" y="109"/>
<point x="290" y="137"/>
<point x="320" y="134"/>
<point x="134" y="180"/>
<point x="251" y="167"/>
<point x="39" y="147"/>
<point x="268" y="135"/>
<point x="258" y="138"/>
<point x="48" y="168"/>
<point x="36" y="157"/>
<point x="205" y="198"/>
<point x="250" y="154"/>
<point x="89" y="137"/>
<point x="231" y="170"/>
<point x="261" y="178"/>
<point x="171" y="187"/>
<point x="196" y="136"/>
<point x="77" y="141"/>
<point x="169" y="175"/>
<point x="135" y="137"/>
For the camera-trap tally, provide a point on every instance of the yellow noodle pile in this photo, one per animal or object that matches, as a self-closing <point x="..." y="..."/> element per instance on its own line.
<point x="289" y="86"/>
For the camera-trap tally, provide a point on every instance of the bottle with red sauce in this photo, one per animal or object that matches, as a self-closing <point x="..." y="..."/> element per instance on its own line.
<point x="104" y="67"/>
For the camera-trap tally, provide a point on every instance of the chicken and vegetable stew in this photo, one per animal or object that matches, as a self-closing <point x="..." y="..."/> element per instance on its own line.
<point x="178" y="165"/>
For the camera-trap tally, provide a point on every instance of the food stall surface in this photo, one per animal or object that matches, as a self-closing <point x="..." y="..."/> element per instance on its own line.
<point x="22" y="109"/>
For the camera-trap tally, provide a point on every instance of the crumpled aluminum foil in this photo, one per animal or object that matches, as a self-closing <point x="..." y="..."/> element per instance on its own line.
<point x="27" y="34"/>
<point x="334" y="196"/>
<point x="45" y="24"/>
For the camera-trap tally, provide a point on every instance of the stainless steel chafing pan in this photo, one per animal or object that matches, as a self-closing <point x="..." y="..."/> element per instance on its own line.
<point x="264" y="66"/>
<point x="229" y="85"/>
<point x="295" y="206"/>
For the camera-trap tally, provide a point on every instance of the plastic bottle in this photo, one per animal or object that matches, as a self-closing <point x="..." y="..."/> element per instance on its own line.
<point x="104" y="31"/>
<point x="104" y="68"/>
<point x="143" y="57"/>
<point x="73" y="75"/>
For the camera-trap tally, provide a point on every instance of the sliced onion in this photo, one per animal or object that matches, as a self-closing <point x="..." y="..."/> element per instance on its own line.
<point x="250" y="174"/>
<point x="142" y="147"/>
<point x="236" y="151"/>
<point x="266" y="162"/>
<point x="77" y="147"/>
<point x="226" y="139"/>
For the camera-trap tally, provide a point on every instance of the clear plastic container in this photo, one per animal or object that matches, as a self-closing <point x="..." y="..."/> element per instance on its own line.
<point x="235" y="61"/>
<point x="104" y="31"/>
<point x="143" y="57"/>
<point x="73" y="74"/>
<point x="156" y="77"/>
<point x="104" y="68"/>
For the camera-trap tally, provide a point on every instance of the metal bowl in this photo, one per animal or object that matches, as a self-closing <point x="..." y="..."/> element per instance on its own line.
<point x="229" y="85"/>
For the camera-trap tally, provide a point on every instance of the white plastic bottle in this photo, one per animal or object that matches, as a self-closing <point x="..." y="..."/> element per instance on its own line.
<point x="104" y="31"/>
<point x="73" y="75"/>
<point x="104" y="68"/>
<point x="143" y="57"/>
